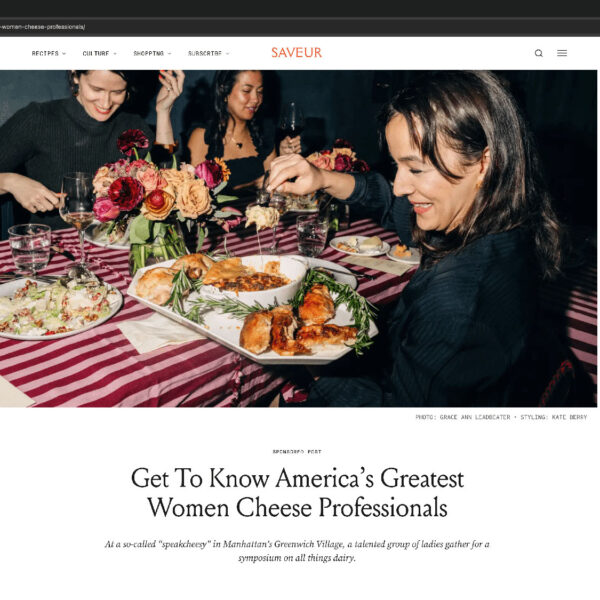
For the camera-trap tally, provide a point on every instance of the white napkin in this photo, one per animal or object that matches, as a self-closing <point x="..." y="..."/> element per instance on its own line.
<point x="10" y="396"/>
<point x="379" y="264"/>
<point x="155" y="332"/>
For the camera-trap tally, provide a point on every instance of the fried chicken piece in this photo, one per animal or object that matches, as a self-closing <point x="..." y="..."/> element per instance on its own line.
<point x="195" y="265"/>
<point x="256" y="331"/>
<point x="314" y="335"/>
<point x="155" y="285"/>
<point x="317" y="306"/>
<point x="282" y="333"/>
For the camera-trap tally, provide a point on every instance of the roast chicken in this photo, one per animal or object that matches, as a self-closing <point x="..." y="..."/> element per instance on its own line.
<point x="317" y="307"/>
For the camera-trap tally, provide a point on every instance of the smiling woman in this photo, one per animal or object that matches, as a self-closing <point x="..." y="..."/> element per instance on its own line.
<point x="48" y="139"/>
<point x="469" y="192"/>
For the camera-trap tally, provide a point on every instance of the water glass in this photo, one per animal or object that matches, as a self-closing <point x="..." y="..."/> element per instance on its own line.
<point x="312" y="234"/>
<point x="30" y="246"/>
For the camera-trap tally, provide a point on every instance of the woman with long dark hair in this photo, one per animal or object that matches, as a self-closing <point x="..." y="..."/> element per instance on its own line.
<point x="233" y="131"/>
<point x="469" y="192"/>
<point x="78" y="133"/>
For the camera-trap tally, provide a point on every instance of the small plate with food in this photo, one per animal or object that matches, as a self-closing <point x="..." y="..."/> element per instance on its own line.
<point x="109" y="235"/>
<point x="360" y="245"/>
<point x="309" y="318"/>
<point x="404" y="254"/>
<point x="34" y="310"/>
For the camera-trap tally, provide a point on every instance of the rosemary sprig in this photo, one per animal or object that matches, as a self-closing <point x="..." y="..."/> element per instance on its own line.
<point x="362" y="310"/>
<point x="182" y="285"/>
<point x="230" y="306"/>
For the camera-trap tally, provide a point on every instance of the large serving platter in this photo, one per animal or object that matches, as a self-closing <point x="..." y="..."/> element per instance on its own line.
<point x="115" y="299"/>
<point x="226" y="330"/>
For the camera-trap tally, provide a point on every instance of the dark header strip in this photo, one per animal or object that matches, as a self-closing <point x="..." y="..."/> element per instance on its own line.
<point x="252" y="27"/>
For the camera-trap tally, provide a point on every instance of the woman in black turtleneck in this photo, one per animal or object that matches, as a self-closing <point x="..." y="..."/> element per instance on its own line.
<point x="46" y="140"/>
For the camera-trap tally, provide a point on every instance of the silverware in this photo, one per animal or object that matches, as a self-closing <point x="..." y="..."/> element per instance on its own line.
<point x="65" y="253"/>
<point x="11" y="276"/>
<point x="351" y="272"/>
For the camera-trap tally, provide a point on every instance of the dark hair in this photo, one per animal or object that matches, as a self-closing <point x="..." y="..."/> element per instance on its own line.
<point x="222" y="85"/>
<point x="470" y="111"/>
<point x="75" y="87"/>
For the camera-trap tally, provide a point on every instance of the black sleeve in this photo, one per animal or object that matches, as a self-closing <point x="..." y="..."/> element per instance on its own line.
<point x="373" y="197"/>
<point x="18" y="137"/>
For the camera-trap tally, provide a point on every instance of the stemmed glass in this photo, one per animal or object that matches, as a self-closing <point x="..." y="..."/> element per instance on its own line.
<point x="30" y="247"/>
<point x="280" y="203"/>
<point x="76" y="208"/>
<point x="291" y="120"/>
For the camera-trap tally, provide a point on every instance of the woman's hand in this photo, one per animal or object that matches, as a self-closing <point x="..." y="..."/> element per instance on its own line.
<point x="308" y="178"/>
<point x="290" y="145"/>
<point x="30" y="194"/>
<point x="171" y="89"/>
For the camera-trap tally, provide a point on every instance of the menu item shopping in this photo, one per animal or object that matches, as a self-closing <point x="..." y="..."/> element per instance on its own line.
<point x="45" y="310"/>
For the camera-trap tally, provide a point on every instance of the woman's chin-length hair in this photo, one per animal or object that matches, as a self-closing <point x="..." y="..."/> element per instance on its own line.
<point x="469" y="112"/>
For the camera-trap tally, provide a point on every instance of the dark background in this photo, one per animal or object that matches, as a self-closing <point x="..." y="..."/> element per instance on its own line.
<point x="561" y="107"/>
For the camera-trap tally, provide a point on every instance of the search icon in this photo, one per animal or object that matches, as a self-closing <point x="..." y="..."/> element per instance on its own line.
<point x="538" y="52"/>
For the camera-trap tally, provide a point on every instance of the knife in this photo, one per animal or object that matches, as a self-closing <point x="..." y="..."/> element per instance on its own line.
<point x="64" y="252"/>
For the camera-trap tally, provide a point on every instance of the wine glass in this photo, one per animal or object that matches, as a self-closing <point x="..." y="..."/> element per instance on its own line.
<point x="30" y="247"/>
<point x="291" y="120"/>
<point x="76" y="208"/>
<point x="280" y="203"/>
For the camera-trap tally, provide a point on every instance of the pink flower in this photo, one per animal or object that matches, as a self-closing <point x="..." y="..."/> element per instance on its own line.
<point x="323" y="161"/>
<point x="130" y="140"/>
<point x="343" y="163"/>
<point x="150" y="179"/>
<point x="105" y="209"/>
<point x="229" y="224"/>
<point x="133" y="167"/>
<point x="211" y="172"/>
<point x="126" y="192"/>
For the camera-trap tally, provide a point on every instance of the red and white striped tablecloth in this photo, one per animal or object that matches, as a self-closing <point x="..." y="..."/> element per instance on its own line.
<point x="101" y="368"/>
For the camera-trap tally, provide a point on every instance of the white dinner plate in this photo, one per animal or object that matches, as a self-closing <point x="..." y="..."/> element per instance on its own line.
<point x="89" y="237"/>
<point x="10" y="288"/>
<point x="348" y="279"/>
<point x="226" y="330"/>
<point x="413" y="259"/>
<point x="361" y="238"/>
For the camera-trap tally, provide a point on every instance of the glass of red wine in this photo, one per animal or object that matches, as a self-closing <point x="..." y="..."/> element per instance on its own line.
<point x="77" y="203"/>
<point x="291" y="121"/>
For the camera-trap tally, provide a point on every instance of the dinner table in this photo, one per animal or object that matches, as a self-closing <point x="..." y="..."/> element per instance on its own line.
<point x="101" y="368"/>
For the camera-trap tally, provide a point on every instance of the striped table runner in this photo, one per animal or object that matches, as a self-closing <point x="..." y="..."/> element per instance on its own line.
<point x="101" y="368"/>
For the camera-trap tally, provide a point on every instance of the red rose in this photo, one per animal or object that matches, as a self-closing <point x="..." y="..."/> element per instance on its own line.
<point x="130" y="139"/>
<point x="105" y="209"/>
<point x="211" y="172"/>
<point x="126" y="192"/>
<point x="341" y="143"/>
<point x="343" y="162"/>
<point x="360" y="166"/>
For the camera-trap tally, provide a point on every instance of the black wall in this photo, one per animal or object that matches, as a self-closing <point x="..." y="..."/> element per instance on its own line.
<point x="561" y="107"/>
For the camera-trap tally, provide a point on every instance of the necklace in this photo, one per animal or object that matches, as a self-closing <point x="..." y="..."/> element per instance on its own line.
<point x="238" y="144"/>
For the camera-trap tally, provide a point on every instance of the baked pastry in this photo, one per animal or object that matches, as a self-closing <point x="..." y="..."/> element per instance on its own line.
<point x="226" y="270"/>
<point x="317" y="306"/>
<point x="195" y="265"/>
<point x="401" y="251"/>
<point x="155" y="285"/>
<point x="256" y="331"/>
<point x="282" y="332"/>
<point x="314" y="335"/>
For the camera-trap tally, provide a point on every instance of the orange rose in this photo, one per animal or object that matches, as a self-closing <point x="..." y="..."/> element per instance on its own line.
<point x="157" y="205"/>
<point x="175" y="178"/>
<point x="102" y="181"/>
<point x="321" y="161"/>
<point x="193" y="198"/>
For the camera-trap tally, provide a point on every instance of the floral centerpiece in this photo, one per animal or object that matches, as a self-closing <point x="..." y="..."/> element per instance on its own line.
<point x="154" y="201"/>
<point x="341" y="157"/>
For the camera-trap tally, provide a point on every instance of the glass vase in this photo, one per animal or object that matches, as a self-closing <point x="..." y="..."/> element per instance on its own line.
<point x="167" y="242"/>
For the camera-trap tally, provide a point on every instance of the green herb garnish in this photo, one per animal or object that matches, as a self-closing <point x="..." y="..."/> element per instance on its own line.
<point x="229" y="306"/>
<point x="362" y="310"/>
